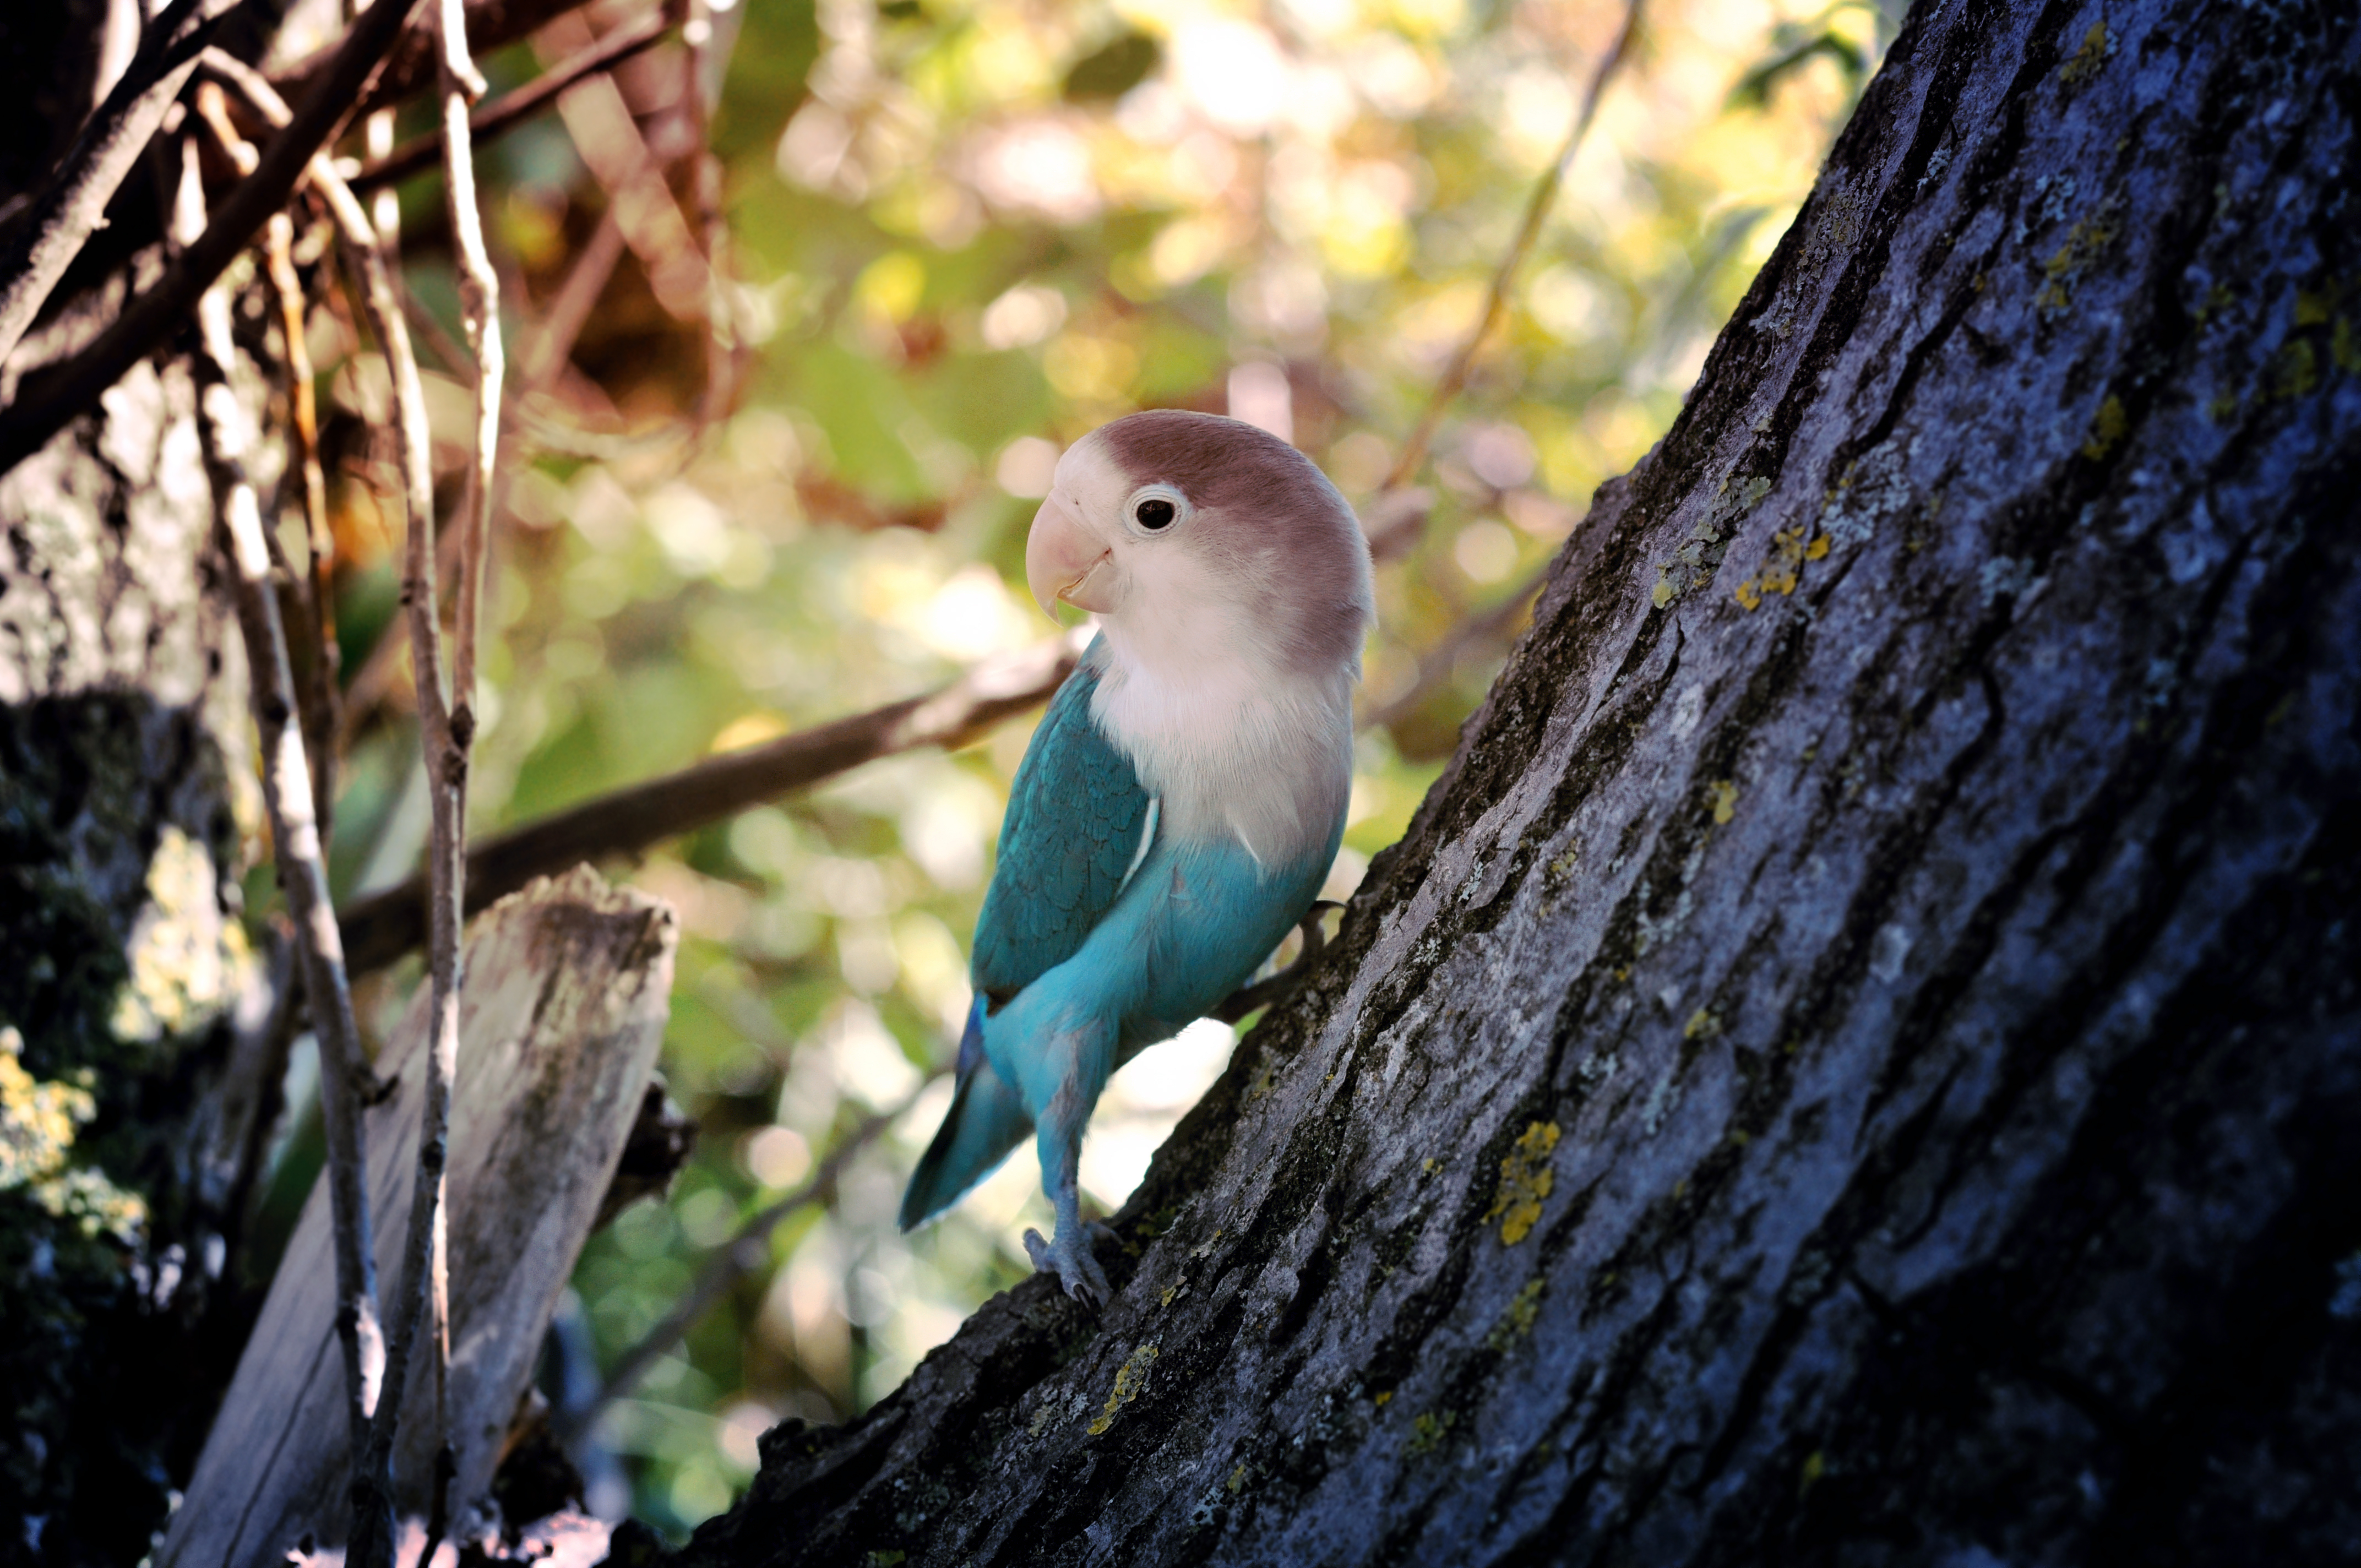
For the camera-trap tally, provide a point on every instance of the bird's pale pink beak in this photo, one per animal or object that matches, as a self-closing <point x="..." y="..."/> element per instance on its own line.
<point x="1064" y="561"/>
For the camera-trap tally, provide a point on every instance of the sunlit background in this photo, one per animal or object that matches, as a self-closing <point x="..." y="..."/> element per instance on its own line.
<point x="953" y="236"/>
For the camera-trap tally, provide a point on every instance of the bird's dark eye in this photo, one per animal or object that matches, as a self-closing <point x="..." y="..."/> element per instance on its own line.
<point x="1154" y="513"/>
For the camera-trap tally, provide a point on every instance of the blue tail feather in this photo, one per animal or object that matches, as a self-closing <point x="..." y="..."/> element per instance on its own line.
<point x="986" y="1121"/>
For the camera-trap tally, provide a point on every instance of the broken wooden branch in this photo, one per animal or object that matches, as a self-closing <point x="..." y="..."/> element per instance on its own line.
<point x="568" y="987"/>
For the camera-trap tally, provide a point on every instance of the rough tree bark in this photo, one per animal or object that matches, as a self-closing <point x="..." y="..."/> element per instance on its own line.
<point x="1858" y="1059"/>
<point x="124" y="794"/>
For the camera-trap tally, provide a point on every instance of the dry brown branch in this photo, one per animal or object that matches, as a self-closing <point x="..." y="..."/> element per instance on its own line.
<point x="302" y="871"/>
<point x="319" y="688"/>
<point x="45" y="401"/>
<point x="727" y="1265"/>
<point x="55" y="224"/>
<point x="387" y="925"/>
<point x="512" y="109"/>
<point x="445" y="738"/>
<point x="1496" y="302"/>
<point x="411" y="65"/>
<point x="571" y="306"/>
<point x="312" y="646"/>
<point x="619" y="158"/>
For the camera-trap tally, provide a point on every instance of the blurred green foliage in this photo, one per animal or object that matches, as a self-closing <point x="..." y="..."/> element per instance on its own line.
<point x="961" y="233"/>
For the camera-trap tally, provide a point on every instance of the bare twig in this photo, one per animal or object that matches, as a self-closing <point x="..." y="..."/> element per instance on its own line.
<point x="570" y="307"/>
<point x="45" y="401"/>
<point x="315" y="668"/>
<point x="372" y="1543"/>
<point x="319" y="689"/>
<point x="412" y="64"/>
<point x="446" y="737"/>
<point x="1496" y="302"/>
<point x="726" y="1266"/>
<point x="72" y="207"/>
<point x="607" y="137"/>
<point x="287" y="794"/>
<point x="510" y="110"/>
<point x="387" y="925"/>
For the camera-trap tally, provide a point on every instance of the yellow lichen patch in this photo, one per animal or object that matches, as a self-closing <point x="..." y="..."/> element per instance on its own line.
<point x="1814" y="1466"/>
<point x="1237" y="1480"/>
<point x="1700" y="555"/>
<point x="1525" y="1181"/>
<point x="1428" y="1165"/>
<point x="37" y="1120"/>
<point x="2107" y="429"/>
<point x="186" y="959"/>
<point x="2314" y="307"/>
<point x="1130" y="1379"/>
<point x="2085" y="243"/>
<point x="1723" y="795"/>
<point x="1518" y="1321"/>
<point x="1383" y="1399"/>
<point x="2224" y="408"/>
<point x="1042" y="1417"/>
<point x="1702" y="1026"/>
<point x="1783" y="569"/>
<point x="2217" y="298"/>
<point x="2089" y="58"/>
<point x="2295" y="371"/>
<point x="1427" y="1432"/>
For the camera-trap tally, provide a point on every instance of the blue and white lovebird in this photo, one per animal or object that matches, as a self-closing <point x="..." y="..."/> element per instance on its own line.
<point x="1180" y="804"/>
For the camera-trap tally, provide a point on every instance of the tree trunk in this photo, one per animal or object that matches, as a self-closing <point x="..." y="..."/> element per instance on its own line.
<point x="125" y="792"/>
<point x="1859" y="1057"/>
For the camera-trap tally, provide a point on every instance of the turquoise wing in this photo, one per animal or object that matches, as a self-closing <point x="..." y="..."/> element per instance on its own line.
<point x="1076" y="826"/>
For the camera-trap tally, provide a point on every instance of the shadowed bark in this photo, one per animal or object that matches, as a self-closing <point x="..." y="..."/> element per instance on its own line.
<point x="1857" y="1059"/>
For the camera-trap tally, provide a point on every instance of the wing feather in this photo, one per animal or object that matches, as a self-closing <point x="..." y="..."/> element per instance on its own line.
<point x="1078" y="826"/>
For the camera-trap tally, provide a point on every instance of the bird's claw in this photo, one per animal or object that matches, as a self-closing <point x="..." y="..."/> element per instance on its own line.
<point x="1078" y="1272"/>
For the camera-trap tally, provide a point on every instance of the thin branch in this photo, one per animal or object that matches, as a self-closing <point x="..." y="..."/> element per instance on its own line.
<point x="46" y="403"/>
<point x="383" y="927"/>
<point x="570" y="307"/>
<point x="414" y="65"/>
<point x="608" y="135"/>
<point x="72" y="207"/>
<point x="372" y="1542"/>
<point x="315" y="680"/>
<point x="319" y="691"/>
<point x="445" y="739"/>
<point x="512" y="109"/>
<point x="1496" y="302"/>
<point x="287" y="796"/>
<point x="727" y="1265"/>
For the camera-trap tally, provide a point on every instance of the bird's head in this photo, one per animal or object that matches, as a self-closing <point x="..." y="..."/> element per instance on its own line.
<point x="1172" y="526"/>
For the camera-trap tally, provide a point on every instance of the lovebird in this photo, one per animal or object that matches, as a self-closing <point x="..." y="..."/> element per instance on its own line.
<point x="1181" y="802"/>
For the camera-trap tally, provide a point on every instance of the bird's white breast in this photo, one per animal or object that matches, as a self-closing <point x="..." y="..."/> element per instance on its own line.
<point x="1231" y="743"/>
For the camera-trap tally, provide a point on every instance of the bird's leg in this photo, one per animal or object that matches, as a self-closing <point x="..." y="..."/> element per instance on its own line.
<point x="1060" y="1141"/>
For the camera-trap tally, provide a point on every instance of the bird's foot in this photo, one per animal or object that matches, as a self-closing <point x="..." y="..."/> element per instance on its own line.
<point x="1069" y="1257"/>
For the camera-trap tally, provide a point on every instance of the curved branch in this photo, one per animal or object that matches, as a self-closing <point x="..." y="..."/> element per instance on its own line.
<point x="383" y="927"/>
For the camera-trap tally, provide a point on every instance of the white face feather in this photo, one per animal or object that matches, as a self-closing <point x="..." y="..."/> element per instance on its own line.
<point x="1231" y="694"/>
